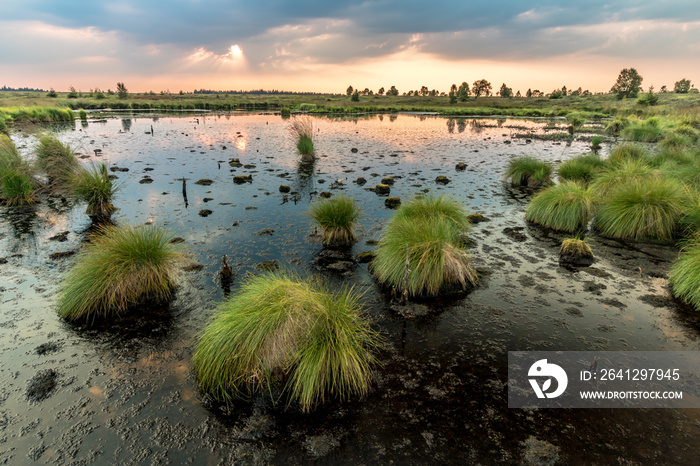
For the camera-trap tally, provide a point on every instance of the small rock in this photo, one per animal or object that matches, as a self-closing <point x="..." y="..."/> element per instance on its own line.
<point x="382" y="189"/>
<point x="388" y="180"/>
<point x="146" y="180"/>
<point x="360" y="181"/>
<point x="514" y="233"/>
<point x="177" y="240"/>
<point x="392" y="202"/>
<point x="442" y="179"/>
<point x="340" y="266"/>
<point x="365" y="257"/>
<point x="477" y="218"/>
<point x="60" y="255"/>
<point x="240" y="179"/>
<point x="325" y="195"/>
<point x="354" y="150"/>
<point x="284" y="188"/>
<point x="193" y="267"/>
<point x="60" y="237"/>
<point x="265" y="232"/>
<point x="205" y="213"/>
<point x="204" y="182"/>
<point x="42" y="385"/>
<point x="460" y="167"/>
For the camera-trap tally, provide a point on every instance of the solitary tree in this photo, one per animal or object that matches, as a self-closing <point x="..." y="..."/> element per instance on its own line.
<point x="424" y="91"/>
<point x="628" y="84"/>
<point x="122" y="92"/>
<point x="505" y="91"/>
<point x="380" y="91"/>
<point x="481" y="87"/>
<point x="392" y="91"/>
<point x="349" y="90"/>
<point x="463" y="92"/>
<point x="682" y="86"/>
<point x="355" y="97"/>
<point x="528" y="93"/>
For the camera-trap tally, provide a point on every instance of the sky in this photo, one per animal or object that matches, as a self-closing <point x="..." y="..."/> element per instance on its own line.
<point x="326" y="45"/>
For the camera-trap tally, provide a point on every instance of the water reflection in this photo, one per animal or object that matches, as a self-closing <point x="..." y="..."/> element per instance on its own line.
<point x="126" y="124"/>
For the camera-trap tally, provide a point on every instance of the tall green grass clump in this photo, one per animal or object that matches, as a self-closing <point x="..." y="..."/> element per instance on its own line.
<point x="283" y="332"/>
<point x="56" y="159"/>
<point x="643" y="209"/>
<point x="121" y="267"/>
<point x="567" y="206"/>
<point x="431" y="207"/>
<point x="626" y="151"/>
<point x="336" y="217"/>
<point x="626" y="171"/>
<point x="582" y="168"/>
<point x="528" y="171"/>
<point x="436" y="259"/>
<point x="685" y="275"/>
<point x="302" y="130"/>
<point x="94" y="186"/>
<point x="648" y="130"/>
<point x="17" y="185"/>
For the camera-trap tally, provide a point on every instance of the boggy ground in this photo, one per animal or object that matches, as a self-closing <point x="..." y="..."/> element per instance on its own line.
<point x="124" y="392"/>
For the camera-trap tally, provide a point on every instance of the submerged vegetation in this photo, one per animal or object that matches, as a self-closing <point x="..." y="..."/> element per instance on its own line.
<point x="336" y="217"/>
<point x="121" y="267"/>
<point x="281" y="334"/>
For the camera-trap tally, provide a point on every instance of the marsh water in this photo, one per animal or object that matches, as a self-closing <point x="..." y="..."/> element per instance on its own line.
<point x="124" y="392"/>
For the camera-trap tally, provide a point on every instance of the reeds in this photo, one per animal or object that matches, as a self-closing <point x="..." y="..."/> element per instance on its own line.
<point x="17" y="185"/>
<point x="283" y="332"/>
<point x="121" y="266"/>
<point x="528" y="171"/>
<point x="567" y="206"/>
<point x="302" y="130"/>
<point x="336" y="217"/>
<point x="432" y="248"/>
<point x="94" y="186"/>
<point x="56" y="159"/>
<point x="648" y="208"/>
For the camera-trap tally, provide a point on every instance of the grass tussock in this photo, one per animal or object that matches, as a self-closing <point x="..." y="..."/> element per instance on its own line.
<point x="567" y="206"/>
<point x="431" y="207"/>
<point x="94" y="186"/>
<point x="56" y="159"/>
<point x="17" y="185"/>
<point x="575" y="247"/>
<point x="528" y="171"/>
<point x="336" y="217"/>
<point x="649" y="130"/>
<point x="302" y="130"/>
<point x="685" y="275"/>
<point x="644" y="209"/>
<point x="436" y="258"/>
<point x="119" y="268"/>
<point x="627" y="151"/>
<point x="582" y="168"/>
<point x="626" y="171"/>
<point x="280" y="331"/>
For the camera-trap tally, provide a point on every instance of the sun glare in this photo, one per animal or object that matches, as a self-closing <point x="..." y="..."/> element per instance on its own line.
<point x="236" y="51"/>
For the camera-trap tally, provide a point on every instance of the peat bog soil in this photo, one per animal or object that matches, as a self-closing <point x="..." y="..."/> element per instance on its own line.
<point x="124" y="392"/>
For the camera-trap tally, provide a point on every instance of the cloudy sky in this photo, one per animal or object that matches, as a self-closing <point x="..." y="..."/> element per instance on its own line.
<point x="325" y="45"/>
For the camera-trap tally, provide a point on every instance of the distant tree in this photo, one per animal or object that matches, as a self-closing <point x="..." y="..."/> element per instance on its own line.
<point x="463" y="92"/>
<point x="628" y="84"/>
<point x="380" y="91"/>
<point x="577" y="92"/>
<point x="72" y="93"/>
<point x="528" y="93"/>
<point x="682" y="86"/>
<point x="556" y="94"/>
<point x="564" y="91"/>
<point x="481" y="87"/>
<point x="122" y="92"/>
<point x="663" y="90"/>
<point x="392" y="91"/>
<point x="453" y="96"/>
<point x="424" y="90"/>
<point x="355" y="97"/>
<point x="349" y="90"/>
<point x="505" y="91"/>
<point x="433" y="92"/>
<point x="517" y="94"/>
<point x="52" y="93"/>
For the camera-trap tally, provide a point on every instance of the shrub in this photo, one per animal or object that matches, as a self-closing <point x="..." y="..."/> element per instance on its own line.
<point x="282" y="331"/>
<point x="528" y="171"/>
<point x="581" y="168"/>
<point x="567" y="206"/>
<point x="647" y="208"/>
<point x="94" y="186"/>
<point x="56" y="159"/>
<point x="122" y="266"/>
<point x="435" y="258"/>
<point x="337" y="217"/>
<point x="685" y="275"/>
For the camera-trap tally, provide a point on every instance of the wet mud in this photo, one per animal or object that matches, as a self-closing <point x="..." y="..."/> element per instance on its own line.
<point x="123" y="392"/>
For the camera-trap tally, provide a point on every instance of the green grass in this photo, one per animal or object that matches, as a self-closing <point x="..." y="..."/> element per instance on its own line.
<point x="305" y="145"/>
<point x="626" y="171"/>
<point x="280" y="331"/>
<point x="649" y="130"/>
<point x="643" y="209"/>
<point x="17" y="185"/>
<point x="528" y="171"/>
<point x="431" y="207"/>
<point x="337" y="217"/>
<point x="626" y="151"/>
<point x="56" y="159"/>
<point x="94" y="186"/>
<point x="436" y="258"/>
<point x="567" y="206"/>
<point x="685" y="275"/>
<point x="582" y="168"/>
<point x="575" y="247"/>
<point x="121" y="267"/>
<point x="302" y="130"/>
